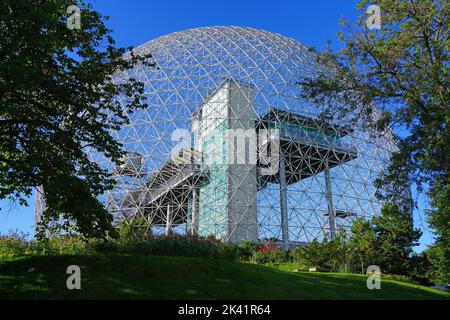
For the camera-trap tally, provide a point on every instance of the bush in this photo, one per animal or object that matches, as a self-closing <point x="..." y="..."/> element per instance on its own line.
<point x="136" y="230"/>
<point x="172" y="246"/>
<point x="247" y="249"/>
<point x="14" y="244"/>
<point x="132" y="241"/>
<point x="438" y="258"/>
<point x="328" y="256"/>
<point x="67" y="245"/>
<point x="270" y="253"/>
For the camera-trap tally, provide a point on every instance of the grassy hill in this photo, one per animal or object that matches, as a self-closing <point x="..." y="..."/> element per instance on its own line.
<point x="113" y="276"/>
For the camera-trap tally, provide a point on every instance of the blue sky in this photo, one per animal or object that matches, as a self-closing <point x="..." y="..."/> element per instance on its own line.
<point x="137" y="21"/>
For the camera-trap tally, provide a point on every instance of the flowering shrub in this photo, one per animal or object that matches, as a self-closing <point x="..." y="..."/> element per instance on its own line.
<point x="132" y="241"/>
<point x="270" y="246"/>
<point x="270" y="253"/>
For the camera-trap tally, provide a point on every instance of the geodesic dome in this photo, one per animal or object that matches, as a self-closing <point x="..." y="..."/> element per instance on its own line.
<point x="180" y="172"/>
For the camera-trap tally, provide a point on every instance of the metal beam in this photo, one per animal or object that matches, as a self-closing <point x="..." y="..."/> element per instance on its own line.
<point x="168" y="222"/>
<point x="283" y="203"/>
<point x="329" y="197"/>
<point x="195" y="201"/>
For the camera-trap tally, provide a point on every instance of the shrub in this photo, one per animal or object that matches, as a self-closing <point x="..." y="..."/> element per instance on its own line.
<point x="132" y="241"/>
<point x="329" y="256"/>
<point x="438" y="257"/>
<point x="14" y="244"/>
<point x="172" y="246"/>
<point x="136" y="230"/>
<point x="67" y="245"/>
<point x="270" y="253"/>
<point x="247" y="249"/>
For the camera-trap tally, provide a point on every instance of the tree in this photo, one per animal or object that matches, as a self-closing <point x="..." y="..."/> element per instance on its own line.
<point x="397" y="77"/>
<point x="58" y="97"/>
<point x="395" y="238"/>
<point x="386" y="240"/>
<point x="362" y="243"/>
<point x="136" y="230"/>
<point x="438" y="256"/>
<point x="439" y="219"/>
<point x="329" y="255"/>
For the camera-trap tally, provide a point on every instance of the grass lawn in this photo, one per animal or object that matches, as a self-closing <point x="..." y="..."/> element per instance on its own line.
<point x="114" y="276"/>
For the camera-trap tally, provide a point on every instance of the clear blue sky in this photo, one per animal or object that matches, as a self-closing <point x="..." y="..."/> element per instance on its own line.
<point x="137" y="21"/>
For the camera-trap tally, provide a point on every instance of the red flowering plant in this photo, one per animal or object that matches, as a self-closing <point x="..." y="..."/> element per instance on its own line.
<point x="262" y="248"/>
<point x="269" y="253"/>
<point x="270" y="246"/>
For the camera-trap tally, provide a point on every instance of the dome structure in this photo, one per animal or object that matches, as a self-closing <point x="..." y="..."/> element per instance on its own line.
<point x="215" y="90"/>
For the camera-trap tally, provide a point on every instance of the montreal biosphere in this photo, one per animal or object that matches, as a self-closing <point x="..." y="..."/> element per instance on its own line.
<point x="227" y="147"/>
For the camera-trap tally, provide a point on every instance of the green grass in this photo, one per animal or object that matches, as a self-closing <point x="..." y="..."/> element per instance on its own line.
<point x="115" y="276"/>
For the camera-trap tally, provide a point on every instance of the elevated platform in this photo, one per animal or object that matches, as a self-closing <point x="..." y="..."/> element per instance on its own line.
<point x="167" y="190"/>
<point x="342" y="214"/>
<point x="309" y="146"/>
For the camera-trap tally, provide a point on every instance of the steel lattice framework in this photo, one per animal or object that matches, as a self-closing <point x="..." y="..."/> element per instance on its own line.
<point x="207" y="81"/>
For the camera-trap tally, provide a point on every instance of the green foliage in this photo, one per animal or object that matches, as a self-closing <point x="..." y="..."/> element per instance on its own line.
<point x="136" y="230"/>
<point x="404" y="70"/>
<point x="438" y="256"/>
<point x="269" y="253"/>
<point x="419" y="268"/>
<point x="362" y="243"/>
<point x="16" y="245"/>
<point x="247" y="249"/>
<point x="396" y="237"/>
<point x="329" y="256"/>
<point x="386" y="241"/>
<point x="176" y="246"/>
<point x="135" y="239"/>
<point x="310" y="254"/>
<point x="439" y="219"/>
<point x="57" y="99"/>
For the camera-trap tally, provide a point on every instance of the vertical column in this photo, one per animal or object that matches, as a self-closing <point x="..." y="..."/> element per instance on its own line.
<point x="240" y="140"/>
<point x="329" y="197"/>
<point x="168" y="222"/>
<point x="194" y="227"/>
<point x="283" y="203"/>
